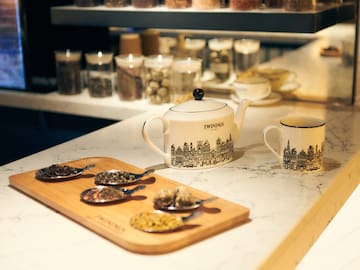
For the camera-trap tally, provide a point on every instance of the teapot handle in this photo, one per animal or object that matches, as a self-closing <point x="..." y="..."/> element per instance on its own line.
<point x="145" y="134"/>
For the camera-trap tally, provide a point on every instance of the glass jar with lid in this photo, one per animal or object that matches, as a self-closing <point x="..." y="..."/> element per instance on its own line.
<point x="68" y="68"/>
<point x="116" y="3"/>
<point x="296" y="5"/>
<point x="243" y="4"/>
<point x="246" y="52"/>
<point x="206" y="4"/>
<point x="157" y="72"/>
<point x="178" y="3"/>
<point x="168" y="45"/>
<point x="144" y="3"/>
<point x="330" y="2"/>
<point x="129" y="76"/>
<point x="274" y="3"/>
<point x="220" y="58"/>
<point x="195" y="48"/>
<point x="185" y="77"/>
<point x="100" y="78"/>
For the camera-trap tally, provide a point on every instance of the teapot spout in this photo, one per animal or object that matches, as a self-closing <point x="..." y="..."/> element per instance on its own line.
<point x="239" y="117"/>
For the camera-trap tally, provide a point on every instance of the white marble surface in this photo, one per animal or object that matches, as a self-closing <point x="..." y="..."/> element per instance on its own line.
<point x="33" y="236"/>
<point x="338" y="246"/>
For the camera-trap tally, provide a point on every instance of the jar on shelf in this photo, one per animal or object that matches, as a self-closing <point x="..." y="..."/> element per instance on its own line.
<point x="220" y="58"/>
<point x="296" y="5"/>
<point x="150" y="42"/>
<point x="68" y="72"/>
<point x="130" y="43"/>
<point x="116" y="3"/>
<point x="246" y="54"/>
<point x="329" y="2"/>
<point x="129" y="76"/>
<point x="168" y="45"/>
<point x="185" y="77"/>
<point x="195" y="48"/>
<point x="144" y="3"/>
<point x="206" y="4"/>
<point x="243" y="4"/>
<point x="178" y="3"/>
<point x="274" y="3"/>
<point x="87" y="3"/>
<point x="99" y="67"/>
<point x="157" y="75"/>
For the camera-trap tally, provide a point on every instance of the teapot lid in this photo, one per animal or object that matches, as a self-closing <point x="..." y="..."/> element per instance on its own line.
<point x="198" y="104"/>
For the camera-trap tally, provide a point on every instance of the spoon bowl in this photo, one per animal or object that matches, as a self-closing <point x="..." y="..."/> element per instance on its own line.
<point x="106" y="194"/>
<point x="159" y="222"/>
<point x="118" y="177"/>
<point x="58" y="172"/>
<point x="192" y="206"/>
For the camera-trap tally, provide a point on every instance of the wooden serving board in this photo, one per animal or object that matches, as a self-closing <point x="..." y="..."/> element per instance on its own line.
<point x="112" y="221"/>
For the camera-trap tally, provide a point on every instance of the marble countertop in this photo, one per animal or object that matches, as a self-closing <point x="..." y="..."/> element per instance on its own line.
<point x="288" y="210"/>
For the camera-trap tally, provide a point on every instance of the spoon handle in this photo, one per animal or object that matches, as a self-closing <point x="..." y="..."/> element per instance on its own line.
<point x="192" y="215"/>
<point x="207" y="200"/>
<point x="145" y="173"/>
<point x="131" y="191"/>
<point x="88" y="167"/>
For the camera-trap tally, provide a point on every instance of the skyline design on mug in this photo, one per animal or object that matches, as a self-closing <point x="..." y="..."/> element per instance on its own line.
<point x="309" y="160"/>
<point x="203" y="154"/>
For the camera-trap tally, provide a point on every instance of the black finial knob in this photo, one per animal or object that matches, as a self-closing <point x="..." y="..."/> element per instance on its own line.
<point x="198" y="93"/>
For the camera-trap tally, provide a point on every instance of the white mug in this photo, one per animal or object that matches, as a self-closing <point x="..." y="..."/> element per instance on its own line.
<point x="301" y="143"/>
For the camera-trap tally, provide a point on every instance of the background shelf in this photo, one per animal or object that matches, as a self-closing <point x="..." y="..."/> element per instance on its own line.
<point x="269" y="20"/>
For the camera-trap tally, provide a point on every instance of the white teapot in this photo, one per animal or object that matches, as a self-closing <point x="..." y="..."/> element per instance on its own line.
<point x="198" y="133"/>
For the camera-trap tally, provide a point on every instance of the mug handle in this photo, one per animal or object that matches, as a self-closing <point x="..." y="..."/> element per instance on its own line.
<point x="265" y="131"/>
<point x="165" y="131"/>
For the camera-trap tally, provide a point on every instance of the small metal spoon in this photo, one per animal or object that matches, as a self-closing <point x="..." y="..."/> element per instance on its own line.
<point x="117" y="177"/>
<point x="105" y="194"/>
<point x="158" y="221"/>
<point x="59" y="172"/>
<point x="195" y="205"/>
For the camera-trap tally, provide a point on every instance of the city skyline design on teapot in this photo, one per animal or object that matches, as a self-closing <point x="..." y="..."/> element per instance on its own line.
<point x="302" y="160"/>
<point x="203" y="155"/>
